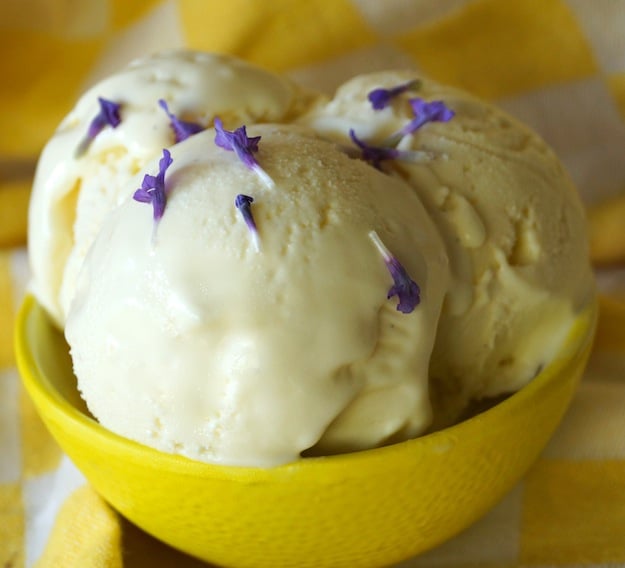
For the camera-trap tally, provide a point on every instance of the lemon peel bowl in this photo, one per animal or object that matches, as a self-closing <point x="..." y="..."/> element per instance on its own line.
<point x="369" y="508"/>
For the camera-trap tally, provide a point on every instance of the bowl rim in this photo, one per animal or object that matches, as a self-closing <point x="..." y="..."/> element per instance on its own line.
<point x="58" y="408"/>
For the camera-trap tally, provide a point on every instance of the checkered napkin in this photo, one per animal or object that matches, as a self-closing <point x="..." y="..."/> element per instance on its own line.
<point x="559" y="65"/>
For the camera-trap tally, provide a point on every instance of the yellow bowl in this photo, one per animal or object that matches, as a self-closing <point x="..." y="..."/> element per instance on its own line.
<point x="368" y="508"/>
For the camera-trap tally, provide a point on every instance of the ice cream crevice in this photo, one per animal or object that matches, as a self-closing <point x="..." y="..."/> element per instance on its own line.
<point x="526" y="249"/>
<point x="465" y="219"/>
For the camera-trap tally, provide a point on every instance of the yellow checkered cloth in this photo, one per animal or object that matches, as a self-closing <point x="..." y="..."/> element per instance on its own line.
<point x="559" y="65"/>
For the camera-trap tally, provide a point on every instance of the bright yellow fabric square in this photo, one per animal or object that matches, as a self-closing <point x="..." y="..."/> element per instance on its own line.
<point x="41" y="77"/>
<point x="279" y="35"/>
<point x="574" y="513"/>
<point x="6" y="313"/>
<point x="616" y="84"/>
<point x="14" y="198"/>
<point x="40" y="453"/>
<point x="11" y="526"/>
<point x="496" y="48"/>
<point x="86" y="534"/>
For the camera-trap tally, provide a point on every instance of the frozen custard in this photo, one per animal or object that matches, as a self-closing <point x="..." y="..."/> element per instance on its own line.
<point x="513" y="225"/>
<point x="80" y="179"/>
<point x="186" y="337"/>
<point x="248" y="273"/>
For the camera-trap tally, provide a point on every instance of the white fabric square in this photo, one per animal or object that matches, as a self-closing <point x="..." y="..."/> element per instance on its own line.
<point x="582" y="124"/>
<point x="396" y="16"/>
<point x="602" y="23"/>
<point x="20" y="275"/>
<point x="327" y="76"/>
<point x="43" y="497"/>
<point x="10" y="442"/>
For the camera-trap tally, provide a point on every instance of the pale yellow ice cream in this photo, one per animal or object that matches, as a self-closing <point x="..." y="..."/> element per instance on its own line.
<point x="190" y="340"/>
<point x="513" y="226"/>
<point x="72" y="194"/>
<point x="196" y="336"/>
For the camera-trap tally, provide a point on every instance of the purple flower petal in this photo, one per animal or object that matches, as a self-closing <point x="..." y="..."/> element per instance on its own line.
<point x="108" y="116"/>
<point x="238" y="142"/>
<point x="182" y="129"/>
<point x="375" y="155"/>
<point x="152" y="188"/>
<point x="424" y="112"/>
<point x="244" y="204"/>
<point x="404" y="287"/>
<point x="381" y="98"/>
<point x="244" y="147"/>
<point x="434" y="111"/>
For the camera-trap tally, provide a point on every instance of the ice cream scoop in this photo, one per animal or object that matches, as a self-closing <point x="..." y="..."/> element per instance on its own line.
<point x="250" y="321"/>
<point x="512" y="222"/>
<point x="115" y="128"/>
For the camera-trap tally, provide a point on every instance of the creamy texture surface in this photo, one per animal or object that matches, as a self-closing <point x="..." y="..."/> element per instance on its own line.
<point x="72" y="195"/>
<point x="187" y="337"/>
<point x="514" y="230"/>
<point x="194" y="342"/>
